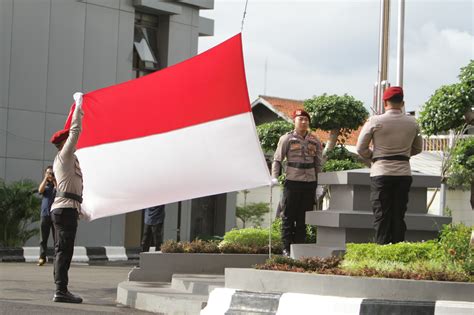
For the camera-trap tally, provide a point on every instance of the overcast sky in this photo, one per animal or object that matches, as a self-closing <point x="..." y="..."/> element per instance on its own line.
<point x="313" y="47"/>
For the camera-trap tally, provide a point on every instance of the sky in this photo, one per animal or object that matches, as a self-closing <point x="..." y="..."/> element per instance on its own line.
<point x="315" y="47"/>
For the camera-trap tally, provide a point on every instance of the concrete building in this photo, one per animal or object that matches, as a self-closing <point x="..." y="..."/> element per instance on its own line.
<point x="51" y="48"/>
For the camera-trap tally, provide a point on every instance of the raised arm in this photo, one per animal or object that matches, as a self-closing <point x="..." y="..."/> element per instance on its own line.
<point x="76" y="126"/>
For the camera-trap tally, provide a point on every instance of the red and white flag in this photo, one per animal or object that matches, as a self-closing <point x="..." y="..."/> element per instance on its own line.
<point x="184" y="132"/>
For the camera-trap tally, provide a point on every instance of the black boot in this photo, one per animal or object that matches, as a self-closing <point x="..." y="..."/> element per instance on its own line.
<point x="64" y="296"/>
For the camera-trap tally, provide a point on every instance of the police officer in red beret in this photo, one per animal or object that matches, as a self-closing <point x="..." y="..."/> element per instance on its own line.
<point x="303" y="155"/>
<point x="67" y="203"/>
<point x="395" y="137"/>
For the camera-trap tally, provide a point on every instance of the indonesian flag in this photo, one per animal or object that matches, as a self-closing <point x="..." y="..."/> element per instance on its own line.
<point x="184" y="132"/>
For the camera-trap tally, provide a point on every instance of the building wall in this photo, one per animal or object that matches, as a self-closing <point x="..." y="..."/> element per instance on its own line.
<point x="50" y="49"/>
<point x="459" y="205"/>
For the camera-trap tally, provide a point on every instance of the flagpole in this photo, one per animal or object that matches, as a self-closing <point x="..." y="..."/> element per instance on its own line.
<point x="270" y="227"/>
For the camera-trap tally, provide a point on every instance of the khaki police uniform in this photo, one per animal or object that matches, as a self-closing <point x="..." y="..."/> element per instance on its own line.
<point x="303" y="156"/>
<point x="394" y="137"/>
<point x="65" y="211"/>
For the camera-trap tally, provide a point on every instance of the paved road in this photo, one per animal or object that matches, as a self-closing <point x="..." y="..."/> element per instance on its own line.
<point x="28" y="289"/>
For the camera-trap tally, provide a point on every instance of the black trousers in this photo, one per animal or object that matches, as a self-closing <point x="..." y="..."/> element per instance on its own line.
<point x="45" y="227"/>
<point x="389" y="198"/>
<point x="298" y="197"/>
<point x="65" y="226"/>
<point x="152" y="234"/>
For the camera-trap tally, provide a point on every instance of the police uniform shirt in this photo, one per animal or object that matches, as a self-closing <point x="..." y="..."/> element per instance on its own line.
<point x="66" y="166"/>
<point x="392" y="133"/>
<point x="303" y="155"/>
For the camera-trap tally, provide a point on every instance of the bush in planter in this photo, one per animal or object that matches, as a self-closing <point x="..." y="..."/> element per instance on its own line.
<point x="454" y="241"/>
<point x="234" y="248"/>
<point x="311" y="231"/>
<point x="316" y="264"/>
<point x="251" y="237"/>
<point x="196" y="246"/>
<point x="401" y="252"/>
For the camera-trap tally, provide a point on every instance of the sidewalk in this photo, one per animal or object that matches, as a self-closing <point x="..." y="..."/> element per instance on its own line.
<point x="28" y="289"/>
<point x="81" y="254"/>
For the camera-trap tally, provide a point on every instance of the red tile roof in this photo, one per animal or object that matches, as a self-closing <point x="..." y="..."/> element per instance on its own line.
<point x="288" y="106"/>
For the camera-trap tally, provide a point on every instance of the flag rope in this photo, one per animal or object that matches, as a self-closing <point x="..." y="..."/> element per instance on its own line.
<point x="243" y="17"/>
<point x="270" y="227"/>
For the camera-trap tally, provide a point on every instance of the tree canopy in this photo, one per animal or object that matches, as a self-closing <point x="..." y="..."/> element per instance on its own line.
<point x="330" y="112"/>
<point x="338" y="114"/>
<point x="270" y="133"/>
<point x="450" y="107"/>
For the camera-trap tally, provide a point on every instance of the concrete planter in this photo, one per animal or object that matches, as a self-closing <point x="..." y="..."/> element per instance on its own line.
<point x="161" y="266"/>
<point x="370" y="288"/>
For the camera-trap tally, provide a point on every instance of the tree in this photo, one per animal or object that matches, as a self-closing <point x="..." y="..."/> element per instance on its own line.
<point x="252" y="212"/>
<point x="450" y="108"/>
<point x="339" y="115"/>
<point x="270" y="133"/>
<point x="461" y="166"/>
<point x="19" y="207"/>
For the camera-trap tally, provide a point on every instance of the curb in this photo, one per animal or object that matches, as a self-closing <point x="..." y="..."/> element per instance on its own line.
<point x="231" y="301"/>
<point x="81" y="254"/>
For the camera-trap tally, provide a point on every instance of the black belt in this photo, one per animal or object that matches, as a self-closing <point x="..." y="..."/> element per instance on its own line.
<point x="300" y="165"/>
<point x="392" y="158"/>
<point x="69" y="196"/>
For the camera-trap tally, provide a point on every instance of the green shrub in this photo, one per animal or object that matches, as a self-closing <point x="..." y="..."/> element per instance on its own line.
<point x="19" y="207"/>
<point x="311" y="231"/>
<point x="461" y="164"/>
<point x="454" y="241"/>
<point x="341" y="165"/>
<point x="401" y="252"/>
<point x="270" y="133"/>
<point x="235" y="248"/>
<point x="340" y="153"/>
<point x="251" y="237"/>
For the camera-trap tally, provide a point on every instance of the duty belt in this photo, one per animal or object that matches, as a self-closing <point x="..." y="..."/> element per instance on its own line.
<point x="391" y="158"/>
<point x="300" y="165"/>
<point x="69" y="196"/>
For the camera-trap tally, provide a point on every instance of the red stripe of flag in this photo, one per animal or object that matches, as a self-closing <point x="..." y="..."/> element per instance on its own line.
<point x="207" y="87"/>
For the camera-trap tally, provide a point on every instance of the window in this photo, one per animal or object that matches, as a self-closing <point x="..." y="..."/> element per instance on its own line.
<point x="145" y="42"/>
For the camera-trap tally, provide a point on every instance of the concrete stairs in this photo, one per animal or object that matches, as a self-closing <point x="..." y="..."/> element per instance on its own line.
<point x="187" y="294"/>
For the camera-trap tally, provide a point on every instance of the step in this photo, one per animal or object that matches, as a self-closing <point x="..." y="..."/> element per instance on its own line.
<point x="197" y="283"/>
<point x="313" y="250"/>
<point x="159" y="297"/>
<point x="365" y="219"/>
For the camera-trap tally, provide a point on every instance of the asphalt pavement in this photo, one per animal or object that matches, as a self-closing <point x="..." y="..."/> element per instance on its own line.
<point x="26" y="288"/>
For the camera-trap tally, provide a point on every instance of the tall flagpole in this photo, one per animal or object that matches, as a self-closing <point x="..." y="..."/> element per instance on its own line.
<point x="400" y="41"/>
<point x="382" y="78"/>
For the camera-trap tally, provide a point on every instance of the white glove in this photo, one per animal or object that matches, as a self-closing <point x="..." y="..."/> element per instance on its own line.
<point x="274" y="182"/>
<point x="78" y="99"/>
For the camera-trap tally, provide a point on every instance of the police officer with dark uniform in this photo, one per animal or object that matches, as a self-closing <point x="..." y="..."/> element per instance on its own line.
<point x="394" y="137"/>
<point x="303" y="154"/>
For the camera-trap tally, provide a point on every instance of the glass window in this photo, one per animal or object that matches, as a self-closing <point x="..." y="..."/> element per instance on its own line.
<point x="145" y="43"/>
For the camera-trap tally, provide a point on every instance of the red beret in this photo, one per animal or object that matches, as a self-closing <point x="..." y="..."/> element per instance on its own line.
<point x="300" y="112"/>
<point x="59" y="136"/>
<point x="391" y="92"/>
